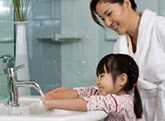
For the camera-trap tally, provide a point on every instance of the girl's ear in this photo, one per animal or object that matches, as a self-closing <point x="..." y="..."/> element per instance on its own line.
<point x="123" y="79"/>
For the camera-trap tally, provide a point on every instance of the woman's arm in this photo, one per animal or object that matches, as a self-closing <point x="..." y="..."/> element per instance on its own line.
<point x="76" y="104"/>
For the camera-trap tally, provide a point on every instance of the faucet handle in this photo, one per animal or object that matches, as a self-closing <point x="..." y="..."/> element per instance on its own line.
<point x="12" y="72"/>
<point x="7" y="59"/>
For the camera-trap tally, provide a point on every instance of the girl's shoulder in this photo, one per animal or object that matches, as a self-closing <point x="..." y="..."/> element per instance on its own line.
<point x="123" y="97"/>
<point x="125" y="105"/>
<point x="124" y="101"/>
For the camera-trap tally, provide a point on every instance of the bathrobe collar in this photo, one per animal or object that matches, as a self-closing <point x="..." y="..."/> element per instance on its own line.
<point x="144" y="36"/>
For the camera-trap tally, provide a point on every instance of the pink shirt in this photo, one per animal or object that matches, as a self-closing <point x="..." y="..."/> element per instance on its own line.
<point x="118" y="108"/>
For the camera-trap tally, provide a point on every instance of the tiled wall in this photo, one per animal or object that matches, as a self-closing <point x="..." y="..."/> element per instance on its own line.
<point x="68" y="61"/>
<point x="80" y="58"/>
<point x="6" y="28"/>
<point x="44" y="53"/>
<point x="6" y="42"/>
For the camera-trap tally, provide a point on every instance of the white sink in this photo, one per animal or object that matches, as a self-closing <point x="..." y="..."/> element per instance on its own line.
<point x="31" y="108"/>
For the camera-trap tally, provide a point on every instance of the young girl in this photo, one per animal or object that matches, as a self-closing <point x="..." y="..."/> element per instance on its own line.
<point x="116" y="92"/>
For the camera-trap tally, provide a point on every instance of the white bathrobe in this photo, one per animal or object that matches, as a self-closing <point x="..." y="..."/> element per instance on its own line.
<point x="150" y="57"/>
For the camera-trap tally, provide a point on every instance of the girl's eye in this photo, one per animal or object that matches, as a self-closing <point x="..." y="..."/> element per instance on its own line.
<point x="101" y="76"/>
<point x="109" y="13"/>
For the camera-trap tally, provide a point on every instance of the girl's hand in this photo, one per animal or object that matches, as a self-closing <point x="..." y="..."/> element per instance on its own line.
<point x="51" y="94"/>
<point x="61" y="93"/>
<point x="47" y="103"/>
<point x="59" y="89"/>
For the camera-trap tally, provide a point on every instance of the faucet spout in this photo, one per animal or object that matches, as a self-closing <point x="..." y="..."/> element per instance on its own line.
<point x="29" y="83"/>
<point x="25" y="84"/>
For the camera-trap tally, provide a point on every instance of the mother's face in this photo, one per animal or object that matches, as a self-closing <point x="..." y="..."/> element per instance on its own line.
<point x="114" y="16"/>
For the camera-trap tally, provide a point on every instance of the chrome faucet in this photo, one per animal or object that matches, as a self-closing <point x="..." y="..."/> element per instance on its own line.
<point x="14" y="84"/>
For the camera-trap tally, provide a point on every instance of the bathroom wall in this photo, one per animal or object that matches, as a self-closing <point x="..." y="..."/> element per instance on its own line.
<point x="80" y="58"/>
<point x="64" y="44"/>
<point x="6" y="28"/>
<point x="44" y="53"/>
<point x="6" y="42"/>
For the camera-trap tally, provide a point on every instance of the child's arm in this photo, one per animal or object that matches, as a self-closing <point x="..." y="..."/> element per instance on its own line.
<point x="64" y="93"/>
<point x="109" y="103"/>
<point x="87" y="91"/>
<point x="61" y="93"/>
<point x="69" y="99"/>
<point x="76" y="104"/>
<point x="99" y="102"/>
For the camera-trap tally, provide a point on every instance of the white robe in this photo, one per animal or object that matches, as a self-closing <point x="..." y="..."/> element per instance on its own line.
<point x="150" y="57"/>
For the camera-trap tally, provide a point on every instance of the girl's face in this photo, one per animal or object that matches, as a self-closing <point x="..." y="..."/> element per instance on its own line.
<point x="114" y="16"/>
<point x="106" y="84"/>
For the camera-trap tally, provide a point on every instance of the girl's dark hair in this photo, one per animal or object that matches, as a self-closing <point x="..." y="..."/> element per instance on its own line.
<point x="117" y="64"/>
<point x="93" y="4"/>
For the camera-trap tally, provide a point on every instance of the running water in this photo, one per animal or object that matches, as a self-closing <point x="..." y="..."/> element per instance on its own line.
<point x="40" y="92"/>
<point x="38" y="88"/>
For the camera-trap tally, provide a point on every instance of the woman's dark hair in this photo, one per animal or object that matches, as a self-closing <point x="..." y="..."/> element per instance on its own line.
<point x="117" y="64"/>
<point x="93" y="4"/>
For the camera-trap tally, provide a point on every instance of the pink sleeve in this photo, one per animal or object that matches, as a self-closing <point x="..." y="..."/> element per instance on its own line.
<point x="87" y="91"/>
<point x="107" y="103"/>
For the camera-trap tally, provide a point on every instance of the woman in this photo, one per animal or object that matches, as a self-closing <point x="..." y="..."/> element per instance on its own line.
<point x="142" y="35"/>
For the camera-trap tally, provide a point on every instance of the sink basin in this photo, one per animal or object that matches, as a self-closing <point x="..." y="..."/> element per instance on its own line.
<point x="31" y="108"/>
